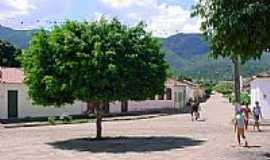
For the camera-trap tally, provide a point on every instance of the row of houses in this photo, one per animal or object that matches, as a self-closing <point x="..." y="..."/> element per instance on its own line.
<point x="15" y="102"/>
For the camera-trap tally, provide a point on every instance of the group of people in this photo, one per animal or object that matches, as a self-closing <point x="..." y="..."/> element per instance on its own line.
<point x="194" y="105"/>
<point x="242" y="118"/>
<point x="241" y="121"/>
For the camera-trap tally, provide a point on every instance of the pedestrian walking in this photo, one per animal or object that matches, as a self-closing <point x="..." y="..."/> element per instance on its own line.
<point x="257" y="114"/>
<point x="189" y="104"/>
<point x="239" y="127"/>
<point x="247" y="112"/>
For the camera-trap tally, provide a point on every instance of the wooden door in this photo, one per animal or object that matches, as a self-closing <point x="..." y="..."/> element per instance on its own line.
<point x="12" y="104"/>
<point x="124" y="106"/>
<point x="106" y="108"/>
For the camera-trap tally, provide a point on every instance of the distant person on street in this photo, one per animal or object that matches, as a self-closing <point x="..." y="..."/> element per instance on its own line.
<point x="239" y="127"/>
<point x="247" y="112"/>
<point x="190" y="106"/>
<point x="257" y="114"/>
<point x="195" y="109"/>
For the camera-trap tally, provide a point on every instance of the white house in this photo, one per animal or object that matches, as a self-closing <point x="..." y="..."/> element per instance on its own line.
<point x="260" y="91"/>
<point x="15" y="102"/>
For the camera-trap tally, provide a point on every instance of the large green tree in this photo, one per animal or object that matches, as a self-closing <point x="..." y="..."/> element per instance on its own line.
<point x="8" y="54"/>
<point x="97" y="62"/>
<point x="236" y="29"/>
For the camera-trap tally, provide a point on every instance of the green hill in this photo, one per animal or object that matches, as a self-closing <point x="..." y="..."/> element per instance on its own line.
<point x="186" y="45"/>
<point x="19" y="38"/>
<point x="188" y="55"/>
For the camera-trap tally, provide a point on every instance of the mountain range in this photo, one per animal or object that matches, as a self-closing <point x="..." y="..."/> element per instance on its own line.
<point x="187" y="55"/>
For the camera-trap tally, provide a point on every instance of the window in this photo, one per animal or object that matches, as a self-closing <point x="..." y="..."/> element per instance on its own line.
<point x="168" y="94"/>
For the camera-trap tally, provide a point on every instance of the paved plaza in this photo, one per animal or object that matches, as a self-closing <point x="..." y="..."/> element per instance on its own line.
<point x="173" y="137"/>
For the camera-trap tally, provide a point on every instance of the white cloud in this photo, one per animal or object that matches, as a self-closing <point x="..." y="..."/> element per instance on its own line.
<point x="163" y="19"/>
<point x="127" y="3"/>
<point x="13" y="8"/>
<point x="171" y="19"/>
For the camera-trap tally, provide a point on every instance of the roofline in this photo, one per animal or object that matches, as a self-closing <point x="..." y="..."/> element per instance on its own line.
<point x="259" y="78"/>
<point x="11" y="82"/>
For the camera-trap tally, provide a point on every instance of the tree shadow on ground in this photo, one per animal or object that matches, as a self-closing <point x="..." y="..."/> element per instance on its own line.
<point x="126" y="144"/>
<point x="267" y="156"/>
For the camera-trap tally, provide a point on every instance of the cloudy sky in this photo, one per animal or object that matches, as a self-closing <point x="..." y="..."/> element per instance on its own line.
<point x="163" y="17"/>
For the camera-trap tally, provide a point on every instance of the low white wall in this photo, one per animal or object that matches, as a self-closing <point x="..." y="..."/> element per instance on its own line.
<point x="150" y="105"/>
<point x="189" y="92"/>
<point x="3" y="108"/>
<point x="27" y="109"/>
<point x="115" y="107"/>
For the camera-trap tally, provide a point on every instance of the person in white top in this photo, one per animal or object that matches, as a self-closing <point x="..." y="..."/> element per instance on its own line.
<point x="239" y="127"/>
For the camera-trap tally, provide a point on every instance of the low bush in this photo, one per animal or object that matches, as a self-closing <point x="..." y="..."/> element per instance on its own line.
<point x="52" y="120"/>
<point x="208" y="87"/>
<point x="244" y="98"/>
<point x="225" y="88"/>
<point x="66" y="118"/>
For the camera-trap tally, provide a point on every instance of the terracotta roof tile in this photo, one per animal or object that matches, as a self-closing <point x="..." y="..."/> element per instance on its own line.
<point x="11" y="75"/>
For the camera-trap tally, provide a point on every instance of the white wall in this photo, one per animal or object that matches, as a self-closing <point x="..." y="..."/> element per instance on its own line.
<point x="26" y="109"/>
<point x="115" y="107"/>
<point x="189" y="92"/>
<point x="260" y="91"/>
<point x="142" y="105"/>
<point x="3" y="108"/>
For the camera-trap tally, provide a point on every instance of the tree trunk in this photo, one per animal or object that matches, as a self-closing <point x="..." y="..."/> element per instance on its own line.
<point x="99" y="121"/>
<point x="237" y="91"/>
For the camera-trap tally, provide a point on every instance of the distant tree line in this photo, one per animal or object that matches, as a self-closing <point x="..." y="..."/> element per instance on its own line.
<point x="8" y="54"/>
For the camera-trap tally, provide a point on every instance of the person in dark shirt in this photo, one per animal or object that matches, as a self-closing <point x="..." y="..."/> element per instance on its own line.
<point x="257" y="114"/>
<point x="190" y="106"/>
<point x="195" y="107"/>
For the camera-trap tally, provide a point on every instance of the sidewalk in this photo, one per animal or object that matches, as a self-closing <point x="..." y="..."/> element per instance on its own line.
<point x="265" y="122"/>
<point x="106" y="119"/>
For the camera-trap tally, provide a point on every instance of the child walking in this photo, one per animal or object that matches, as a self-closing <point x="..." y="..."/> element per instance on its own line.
<point x="239" y="127"/>
<point x="257" y="114"/>
<point x="247" y="112"/>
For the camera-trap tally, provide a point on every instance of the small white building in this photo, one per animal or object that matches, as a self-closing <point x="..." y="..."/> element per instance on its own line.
<point x="15" y="102"/>
<point x="260" y="91"/>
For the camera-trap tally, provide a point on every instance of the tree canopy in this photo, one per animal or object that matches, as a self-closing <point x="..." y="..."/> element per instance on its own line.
<point x="100" y="61"/>
<point x="97" y="62"/>
<point x="236" y="27"/>
<point x="8" y="54"/>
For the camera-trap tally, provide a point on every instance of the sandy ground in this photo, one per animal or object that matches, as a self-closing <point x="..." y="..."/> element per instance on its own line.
<point x="173" y="137"/>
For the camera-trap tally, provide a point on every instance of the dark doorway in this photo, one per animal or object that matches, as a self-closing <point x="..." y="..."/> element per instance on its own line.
<point x="12" y="104"/>
<point x="168" y="94"/>
<point x="124" y="106"/>
<point x="106" y="108"/>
